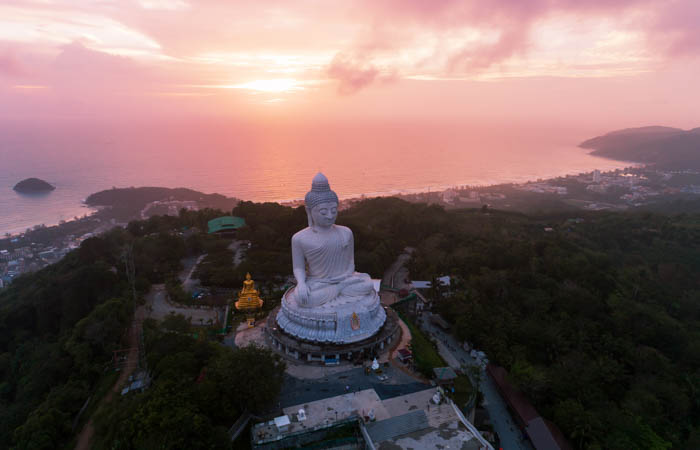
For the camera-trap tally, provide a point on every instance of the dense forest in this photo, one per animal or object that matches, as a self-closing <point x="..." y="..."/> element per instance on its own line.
<point x="200" y="388"/>
<point x="60" y="325"/>
<point x="596" y="320"/>
<point x="594" y="314"/>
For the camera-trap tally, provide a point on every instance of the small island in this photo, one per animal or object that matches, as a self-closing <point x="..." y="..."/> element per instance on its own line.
<point x="32" y="186"/>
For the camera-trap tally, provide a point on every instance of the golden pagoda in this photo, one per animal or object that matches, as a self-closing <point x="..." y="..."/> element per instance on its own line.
<point x="248" y="298"/>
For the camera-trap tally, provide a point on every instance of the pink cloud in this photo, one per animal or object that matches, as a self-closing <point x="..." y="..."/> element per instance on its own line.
<point x="79" y="67"/>
<point x="172" y="53"/>
<point x="676" y="30"/>
<point x="10" y="66"/>
<point x="352" y="74"/>
<point x="670" y="28"/>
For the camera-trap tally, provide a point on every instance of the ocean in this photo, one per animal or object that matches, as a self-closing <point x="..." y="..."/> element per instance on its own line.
<point x="270" y="163"/>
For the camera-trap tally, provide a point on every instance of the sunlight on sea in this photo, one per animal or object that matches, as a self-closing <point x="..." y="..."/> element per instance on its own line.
<point x="273" y="166"/>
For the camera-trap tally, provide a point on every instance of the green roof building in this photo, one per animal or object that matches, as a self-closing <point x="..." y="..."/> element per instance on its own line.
<point x="225" y="224"/>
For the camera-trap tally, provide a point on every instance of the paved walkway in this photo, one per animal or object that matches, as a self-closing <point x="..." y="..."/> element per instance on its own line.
<point x="396" y="345"/>
<point x="503" y="423"/>
<point x="255" y="335"/>
<point x="314" y="372"/>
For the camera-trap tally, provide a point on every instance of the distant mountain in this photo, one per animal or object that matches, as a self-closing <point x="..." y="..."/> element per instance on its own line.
<point x="33" y="185"/>
<point x="664" y="147"/>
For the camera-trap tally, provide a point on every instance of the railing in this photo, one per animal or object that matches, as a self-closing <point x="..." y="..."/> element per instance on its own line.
<point x="239" y="425"/>
<point x="486" y="444"/>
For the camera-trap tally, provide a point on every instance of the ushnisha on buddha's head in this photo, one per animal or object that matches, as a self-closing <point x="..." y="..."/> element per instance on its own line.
<point x="321" y="203"/>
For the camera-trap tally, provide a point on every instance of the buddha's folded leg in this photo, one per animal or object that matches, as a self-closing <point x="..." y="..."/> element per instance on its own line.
<point x="356" y="285"/>
<point x="321" y="293"/>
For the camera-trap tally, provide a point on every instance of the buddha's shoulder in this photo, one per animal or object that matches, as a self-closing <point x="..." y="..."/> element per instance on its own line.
<point x="307" y="234"/>
<point x="344" y="230"/>
<point x="301" y="234"/>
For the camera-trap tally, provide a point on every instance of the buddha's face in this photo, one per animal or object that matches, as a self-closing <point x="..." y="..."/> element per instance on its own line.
<point x="324" y="214"/>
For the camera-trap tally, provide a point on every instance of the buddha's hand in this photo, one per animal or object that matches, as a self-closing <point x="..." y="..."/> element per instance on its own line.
<point x="303" y="293"/>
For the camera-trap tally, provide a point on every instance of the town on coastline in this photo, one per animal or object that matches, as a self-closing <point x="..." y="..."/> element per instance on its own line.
<point x="618" y="190"/>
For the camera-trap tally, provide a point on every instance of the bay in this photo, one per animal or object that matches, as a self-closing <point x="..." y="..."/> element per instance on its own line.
<point x="272" y="162"/>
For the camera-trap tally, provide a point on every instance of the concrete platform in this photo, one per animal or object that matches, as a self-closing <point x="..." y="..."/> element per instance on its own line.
<point x="325" y="354"/>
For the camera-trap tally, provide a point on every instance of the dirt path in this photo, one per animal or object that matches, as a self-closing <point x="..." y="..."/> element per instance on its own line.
<point x="85" y="436"/>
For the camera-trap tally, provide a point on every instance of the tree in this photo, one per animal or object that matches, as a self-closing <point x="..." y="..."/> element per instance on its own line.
<point x="176" y="323"/>
<point x="258" y="373"/>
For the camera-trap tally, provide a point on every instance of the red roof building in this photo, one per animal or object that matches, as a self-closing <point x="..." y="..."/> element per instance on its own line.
<point x="543" y="434"/>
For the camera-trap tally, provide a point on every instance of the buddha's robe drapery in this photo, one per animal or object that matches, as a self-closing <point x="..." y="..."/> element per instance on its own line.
<point x="330" y="266"/>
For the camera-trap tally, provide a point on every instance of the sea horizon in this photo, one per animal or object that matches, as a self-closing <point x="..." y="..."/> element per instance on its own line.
<point x="82" y="210"/>
<point x="250" y="164"/>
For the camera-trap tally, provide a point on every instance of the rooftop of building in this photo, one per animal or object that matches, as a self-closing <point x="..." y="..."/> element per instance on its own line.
<point x="407" y="421"/>
<point x="225" y="223"/>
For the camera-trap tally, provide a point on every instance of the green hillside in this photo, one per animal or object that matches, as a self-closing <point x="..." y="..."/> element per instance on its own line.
<point x="597" y="320"/>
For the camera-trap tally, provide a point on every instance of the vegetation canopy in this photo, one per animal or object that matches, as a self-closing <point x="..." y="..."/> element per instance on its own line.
<point x="595" y="315"/>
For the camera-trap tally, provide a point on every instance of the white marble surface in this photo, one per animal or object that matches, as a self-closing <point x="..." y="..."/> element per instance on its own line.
<point x="331" y="302"/>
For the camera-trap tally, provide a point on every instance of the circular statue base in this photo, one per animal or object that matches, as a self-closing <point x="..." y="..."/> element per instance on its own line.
<point x="330" y="353"/>
<point x="342" y="321"/>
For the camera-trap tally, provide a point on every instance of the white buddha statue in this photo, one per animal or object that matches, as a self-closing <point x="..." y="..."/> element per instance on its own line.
<point x="331" y="302"/>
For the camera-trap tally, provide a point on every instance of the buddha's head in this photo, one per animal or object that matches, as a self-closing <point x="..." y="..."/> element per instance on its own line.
<point x="321" y="203"/>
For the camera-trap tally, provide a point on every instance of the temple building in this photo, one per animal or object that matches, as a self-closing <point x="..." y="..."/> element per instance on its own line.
<point x="226" y="225"/>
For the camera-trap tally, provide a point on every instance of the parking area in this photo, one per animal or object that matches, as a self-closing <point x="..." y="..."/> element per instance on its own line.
<point x="300" y="390"/>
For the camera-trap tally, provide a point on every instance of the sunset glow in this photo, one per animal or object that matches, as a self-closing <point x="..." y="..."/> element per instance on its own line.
<point x="516" y="181"/>
<point x="278" y="85"/>
<point x="352" y="58"/>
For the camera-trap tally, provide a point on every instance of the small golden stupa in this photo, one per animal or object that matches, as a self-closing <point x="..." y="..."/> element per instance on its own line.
<point x="248" y="298"/>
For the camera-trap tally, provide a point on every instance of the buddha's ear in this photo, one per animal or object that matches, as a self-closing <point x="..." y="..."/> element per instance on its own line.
<point x="309" y="217"/>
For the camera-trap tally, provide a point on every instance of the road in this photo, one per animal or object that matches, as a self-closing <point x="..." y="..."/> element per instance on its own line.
<point x="190" y="264"/>
<point x="238" y="248"/>
<point x="501" y="419"/>
<point x="397" y="273"/>
<point x="160" y="308"/>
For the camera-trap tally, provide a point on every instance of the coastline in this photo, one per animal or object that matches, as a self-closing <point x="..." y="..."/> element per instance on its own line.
<point x="92" y="210"/>
<point x="632" y="187"/>
<point x="441" y="188"/>
<point x="347" y="200"/>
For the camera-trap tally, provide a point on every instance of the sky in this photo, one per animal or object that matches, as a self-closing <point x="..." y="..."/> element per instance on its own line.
<point x="598" y="64"/>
